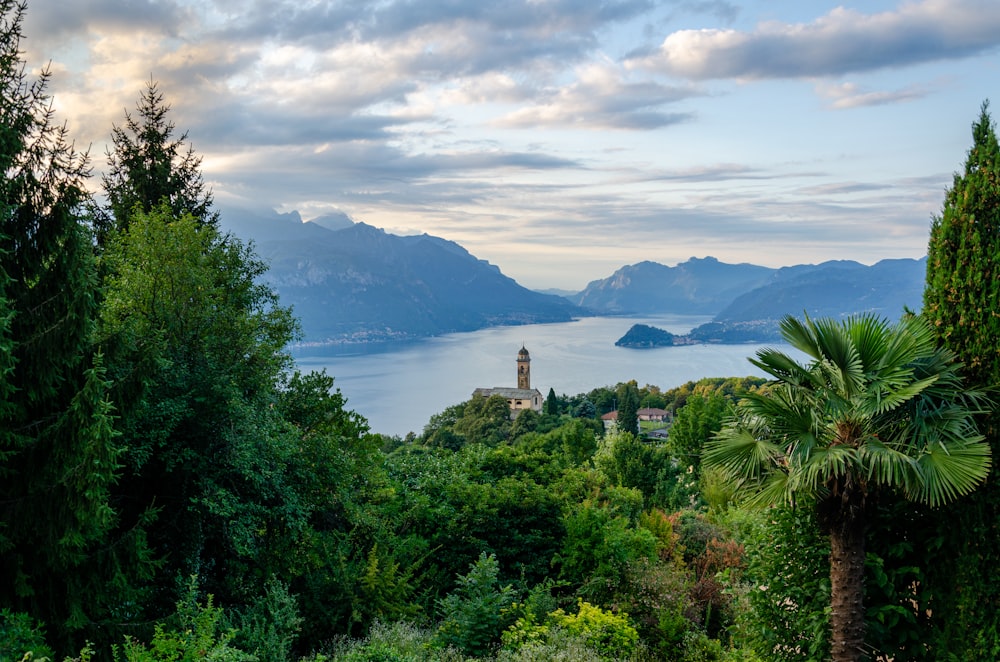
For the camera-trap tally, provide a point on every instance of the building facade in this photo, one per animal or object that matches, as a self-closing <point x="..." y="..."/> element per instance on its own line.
<point x="520" y="398"/>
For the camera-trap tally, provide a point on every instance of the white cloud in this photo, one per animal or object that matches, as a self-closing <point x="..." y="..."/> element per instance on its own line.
<point x="850" y="95"/>
<point x="842" y="41"/>
<point x="601" y="98"/>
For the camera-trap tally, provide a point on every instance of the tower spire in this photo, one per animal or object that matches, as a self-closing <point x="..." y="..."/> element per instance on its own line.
<point x="523" y="369"/>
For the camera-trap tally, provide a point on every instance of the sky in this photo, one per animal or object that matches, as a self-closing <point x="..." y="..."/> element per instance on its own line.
<point x="557" y="139"/>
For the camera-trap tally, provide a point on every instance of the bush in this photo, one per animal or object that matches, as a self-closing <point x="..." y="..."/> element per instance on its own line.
<point x="22" y="636"/>
<point x="269" y="627"/>
<point x="401" y="641"/>
<point x="473" y="614"/>
<point x="197" y="637"/>
<point x="611" y="635"/>
<point x="788" y="574"/>
<point x="558" y="645"/>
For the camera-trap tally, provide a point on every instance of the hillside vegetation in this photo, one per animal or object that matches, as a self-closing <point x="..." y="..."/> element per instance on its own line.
<point x="173" y="489"/>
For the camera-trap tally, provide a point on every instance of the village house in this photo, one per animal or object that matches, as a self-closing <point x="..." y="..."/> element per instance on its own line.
<point x="610" y="420"/>
<point x="522" y="397"/>
<point x="653" y="414"/>
<point x="650" y="414"/>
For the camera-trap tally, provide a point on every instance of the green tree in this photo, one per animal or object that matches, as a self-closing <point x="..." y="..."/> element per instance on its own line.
<point x="552" y="403"/>
<point x="585" y="409"/>
<point x="695" y="423"/>
<point x="475" y="614"/>
<point x="485" y="420"/>
<point x="202" y="352"/>
<point x="961" y="299"/>
<point x="148" y="166"/>
<point x="878" y="407"/>
<point x="58" y="454"/>
<point x="628" y="408"/>
<point x="788" y="563"/>
<point x="601" y="543"/>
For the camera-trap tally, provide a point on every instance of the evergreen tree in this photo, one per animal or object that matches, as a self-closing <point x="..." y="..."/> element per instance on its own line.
<point x="58" y="454"/>
<point x="961" y="299"/>
<point x="552" y="403"/>
<point x="148" y="167"/>
<point x="628" y="408"/>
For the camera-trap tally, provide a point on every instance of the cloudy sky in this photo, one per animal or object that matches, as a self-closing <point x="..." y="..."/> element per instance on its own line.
<point x="558" y="139"/>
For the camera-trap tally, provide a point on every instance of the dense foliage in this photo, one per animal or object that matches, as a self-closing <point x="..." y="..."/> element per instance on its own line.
<point x="876" y="408"/>
<point x="58" y="449"/>
<point x="171" y="488"/>
<point x="961" y="300"/>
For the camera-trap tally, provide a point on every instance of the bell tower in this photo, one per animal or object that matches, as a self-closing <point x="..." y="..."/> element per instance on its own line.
<point x="523" y="369"/>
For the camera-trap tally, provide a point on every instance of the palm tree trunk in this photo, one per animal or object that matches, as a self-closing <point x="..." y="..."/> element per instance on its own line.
<point x="847" y="589"/>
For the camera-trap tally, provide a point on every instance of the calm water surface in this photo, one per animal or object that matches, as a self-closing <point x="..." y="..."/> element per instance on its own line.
<point x="398" y="391"/>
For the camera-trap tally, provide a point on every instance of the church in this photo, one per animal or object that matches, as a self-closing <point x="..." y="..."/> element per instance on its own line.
<point x="522" y="397"/>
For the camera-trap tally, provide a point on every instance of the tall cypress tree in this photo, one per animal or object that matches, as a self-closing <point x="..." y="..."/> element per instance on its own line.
<point x="57" y="443"/>
<point x="961" y="300"/>
<point x="552" y="403"/>
<point x="628" y="408"/>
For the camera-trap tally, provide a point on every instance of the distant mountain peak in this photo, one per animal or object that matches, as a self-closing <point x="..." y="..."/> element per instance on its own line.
<point x="700" y="286"/>
<point x="359" y="285"/>
<point x="335" y="221"/>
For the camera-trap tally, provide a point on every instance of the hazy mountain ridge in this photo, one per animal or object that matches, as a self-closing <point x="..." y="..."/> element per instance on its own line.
<point x="834" y="289"/>
<point x="699" y="286"/>
<point x="352" y="284"/>
<point x="360" y="285"/>
<point x="830" y="289"/>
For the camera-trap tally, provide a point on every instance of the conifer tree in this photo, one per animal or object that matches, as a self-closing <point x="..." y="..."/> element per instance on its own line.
<point x="148" y="166"/>
<point x="962" y="299"/>
<point x="552" y="403"/>
<point x="58" y="452"/>
<point x="628" y="408"/>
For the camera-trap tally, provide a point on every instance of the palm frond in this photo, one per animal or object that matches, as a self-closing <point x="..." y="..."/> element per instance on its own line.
<point x="781" y="366"/>
<point x="841" y="363"/>
<point x="773" y="490"/>
<point x="887" y="399"/>
<point x="786" y="415"/>
<point x="824" y="464"/>
<point x="953" y="471"/>
<point x="801" y="336"/>
<point x="740" y="455"/>
<point x="886" y="465"/>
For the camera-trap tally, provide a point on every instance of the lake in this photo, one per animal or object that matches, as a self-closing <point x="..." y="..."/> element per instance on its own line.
<point x="399" y="390"/>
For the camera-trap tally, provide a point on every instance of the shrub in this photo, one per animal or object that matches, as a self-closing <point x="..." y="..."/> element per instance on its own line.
<point x="197" y="637"/>
<point x="473" y="614"/>
<point x="269" y="627"/>
<point x="401" y="641"/>
<point x="21" y="636"/>
<point x="611" y="635"/>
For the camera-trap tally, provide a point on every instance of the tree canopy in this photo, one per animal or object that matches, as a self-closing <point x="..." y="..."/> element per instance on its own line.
<point x="961" y="298"/>
<point x="876" y="407"/>
<point x="58" y="452"/>
<point x="148" y="166"/>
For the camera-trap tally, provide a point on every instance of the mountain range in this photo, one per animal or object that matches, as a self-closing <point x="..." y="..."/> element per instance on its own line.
<point x="762" y="295"/>
<point x="696" y="287"/>
<point x="353" y="286"/>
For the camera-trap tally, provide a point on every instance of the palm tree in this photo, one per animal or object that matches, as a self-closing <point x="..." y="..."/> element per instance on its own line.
<point x="877" y="407"/>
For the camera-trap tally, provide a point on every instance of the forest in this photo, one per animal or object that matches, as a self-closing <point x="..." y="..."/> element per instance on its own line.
<point x="173" y="489"/>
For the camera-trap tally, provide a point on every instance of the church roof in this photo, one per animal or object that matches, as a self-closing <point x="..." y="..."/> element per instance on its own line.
<point x="509" y="393"/>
